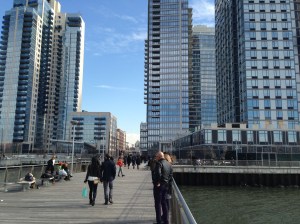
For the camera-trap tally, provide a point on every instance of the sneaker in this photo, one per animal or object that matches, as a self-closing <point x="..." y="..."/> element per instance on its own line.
<point x="111" y="201"/>
<point x="123" y="175"/>
<point x="105" y="203"/>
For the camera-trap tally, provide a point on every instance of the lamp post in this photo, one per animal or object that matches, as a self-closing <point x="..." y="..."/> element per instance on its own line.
<point x="236" y="153"/>
<point x="73" y="123"/>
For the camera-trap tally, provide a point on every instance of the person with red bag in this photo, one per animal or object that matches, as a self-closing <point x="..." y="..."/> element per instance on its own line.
<point x="120" y="164"/>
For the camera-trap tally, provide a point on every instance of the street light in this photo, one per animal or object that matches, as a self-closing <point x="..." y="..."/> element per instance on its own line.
<point x="73" y="123"/>
<point x="236" y="153"/>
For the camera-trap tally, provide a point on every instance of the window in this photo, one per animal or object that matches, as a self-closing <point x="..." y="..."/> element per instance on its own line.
<point x="292" y="137"/>
<point x="221" y="135"/>
<point x="250" y="136"/>
<point x="277" y="135"/>
<point x="263" y="136"/>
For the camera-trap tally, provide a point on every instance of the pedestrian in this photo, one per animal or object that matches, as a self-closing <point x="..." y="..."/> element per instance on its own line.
<point x="125" y="160"/>
<point x="50" y="165"/>
<point x="120" y="164"/>
<point x="128" y="160"/>
<point x="161" y="176"/>
<point x="138" y="162"/>
<point x="108" y="174"/>
<point x="133" y="161"/>
<point x="169" y="158"/>
<point x="93" y="175"/>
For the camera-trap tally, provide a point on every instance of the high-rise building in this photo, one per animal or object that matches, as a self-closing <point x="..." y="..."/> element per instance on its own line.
<point x="41" y="61"/>
<point x="143" y="138"/>
<point x="202" y="102"/>
<point x="167" y="71"/>
<point x="257" y="63"/>
<point x="121" y="141"/>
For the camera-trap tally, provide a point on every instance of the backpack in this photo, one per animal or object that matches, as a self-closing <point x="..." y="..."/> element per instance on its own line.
<point x="29" y="177"/>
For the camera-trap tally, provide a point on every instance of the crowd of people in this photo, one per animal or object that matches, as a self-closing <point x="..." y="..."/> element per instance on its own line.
<point x="161" y="171"/>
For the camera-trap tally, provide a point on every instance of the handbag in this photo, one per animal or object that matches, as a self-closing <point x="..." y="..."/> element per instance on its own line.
<point x="84" y="192"/>
<point x="96" y="181"/>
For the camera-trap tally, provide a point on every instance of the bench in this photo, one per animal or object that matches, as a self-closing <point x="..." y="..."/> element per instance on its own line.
<point x="26" y="184"/>
<point x="5" y="185"/>
<point x="47" y="180"/>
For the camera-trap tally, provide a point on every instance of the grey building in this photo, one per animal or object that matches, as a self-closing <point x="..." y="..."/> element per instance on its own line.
<point x="257" y="63"/>
<point x="167" y="70"/>
<point x="41" y="62"/>
<point x="202" y="100"/>
<point x="96" y="128"/>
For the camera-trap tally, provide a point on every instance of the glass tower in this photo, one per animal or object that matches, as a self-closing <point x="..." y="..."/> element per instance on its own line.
<point x="167" y="68"/>
<point x="32" y="56"/>
<point x="257" y="63"/>
<point x="203" y="103"/>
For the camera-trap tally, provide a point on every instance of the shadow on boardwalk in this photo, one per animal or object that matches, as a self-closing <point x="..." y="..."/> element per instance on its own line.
<point x="63" y="203"/>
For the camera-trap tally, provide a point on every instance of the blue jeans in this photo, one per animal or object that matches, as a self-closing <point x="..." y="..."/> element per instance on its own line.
<point x="161" y="204"/>
<point x="108" y="190"/>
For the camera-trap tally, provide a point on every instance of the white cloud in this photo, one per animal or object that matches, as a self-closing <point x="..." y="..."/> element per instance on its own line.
<point x="106" y="40"/>
<point x="131" y="138"/>
<point x="126" y="18"/>
<point x="115" y="88"/>
<point x="203" y="12"/>
<point x="105" y="12"/>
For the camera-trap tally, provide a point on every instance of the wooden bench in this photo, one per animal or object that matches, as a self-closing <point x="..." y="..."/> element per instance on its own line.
<point x="26" y="184"/>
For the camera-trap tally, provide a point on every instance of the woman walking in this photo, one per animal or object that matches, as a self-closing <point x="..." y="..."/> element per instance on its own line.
<point x="120" y="164"/>
<point x="93" y="176"/>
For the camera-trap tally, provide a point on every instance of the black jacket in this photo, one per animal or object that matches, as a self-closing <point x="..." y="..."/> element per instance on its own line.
<point x="163" y="172"/>
<point x="93" y="172"/>
<point x="108" y="170"/>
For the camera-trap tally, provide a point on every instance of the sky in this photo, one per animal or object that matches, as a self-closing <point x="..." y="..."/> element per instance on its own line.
<point x="113" y="79"/>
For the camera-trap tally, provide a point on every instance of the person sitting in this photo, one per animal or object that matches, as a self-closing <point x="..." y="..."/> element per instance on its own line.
<point x="66" y="169"/>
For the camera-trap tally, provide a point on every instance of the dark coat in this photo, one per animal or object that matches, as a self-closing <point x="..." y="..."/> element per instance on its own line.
<point x="108" y="170"/>
<point x="93" y="171"/>
<point x="163" y="172"/>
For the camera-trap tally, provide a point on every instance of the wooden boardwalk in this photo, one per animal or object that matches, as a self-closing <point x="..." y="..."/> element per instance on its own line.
<point x="63" y="203"/>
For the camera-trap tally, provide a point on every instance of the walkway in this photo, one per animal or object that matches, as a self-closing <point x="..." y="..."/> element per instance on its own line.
<point x="62" y="202"/>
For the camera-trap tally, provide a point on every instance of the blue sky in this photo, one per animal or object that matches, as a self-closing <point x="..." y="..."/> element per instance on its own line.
<point x="114" y="55"/>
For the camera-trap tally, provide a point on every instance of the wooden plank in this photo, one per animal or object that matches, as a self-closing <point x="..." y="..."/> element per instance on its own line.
<point x="62" y="202"/>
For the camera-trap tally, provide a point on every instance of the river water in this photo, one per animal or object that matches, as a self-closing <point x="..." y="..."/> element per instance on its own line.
<point x="243" y="205"/>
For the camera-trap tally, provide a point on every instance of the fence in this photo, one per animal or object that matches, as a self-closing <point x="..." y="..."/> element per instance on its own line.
<point x="180" y="212"/>
<point x="12" y="174"/>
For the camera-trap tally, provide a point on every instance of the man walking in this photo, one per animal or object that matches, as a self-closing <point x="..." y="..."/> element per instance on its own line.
<point x="108" y="171"/>
<point x="161" y="177"/>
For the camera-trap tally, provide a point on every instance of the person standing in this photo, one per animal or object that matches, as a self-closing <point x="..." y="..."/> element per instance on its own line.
<point x="50" y="165"/>
<point x="120" y="164"/>
<point x="161" y="177"/>
<point x="108" y="174"/>
<point x="93" y="175"/>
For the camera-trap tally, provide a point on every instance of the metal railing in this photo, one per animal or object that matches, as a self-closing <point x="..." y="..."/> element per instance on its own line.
<point x="180" y="212"/>
<point x="12" y="174"/>
<point x="263" y="163"/>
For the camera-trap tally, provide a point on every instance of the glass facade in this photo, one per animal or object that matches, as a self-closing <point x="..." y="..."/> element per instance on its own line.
<point x="33" y="71"/>
<point x="257" y="63"/>
<point x="203" y="103"/>
<point x="243" y="146"/>
<point x="167" y="71"/>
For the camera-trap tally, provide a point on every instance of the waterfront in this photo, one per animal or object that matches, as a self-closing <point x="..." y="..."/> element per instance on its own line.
<point x="243" y="205"/>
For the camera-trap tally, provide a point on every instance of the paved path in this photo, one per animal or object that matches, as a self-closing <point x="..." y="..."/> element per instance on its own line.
<point x="63" y="203"/>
